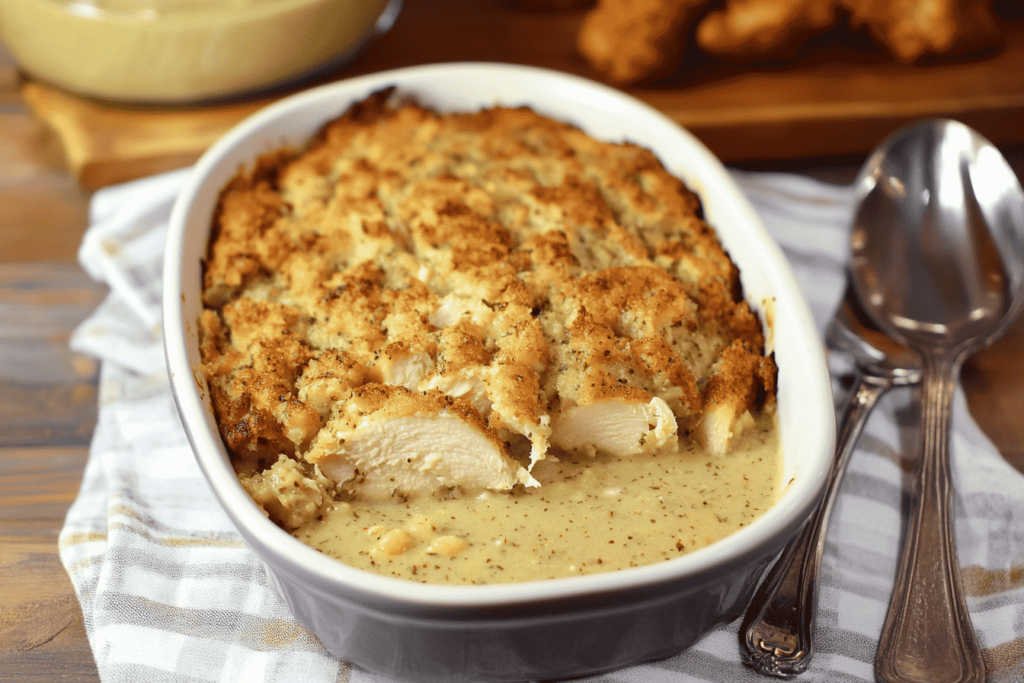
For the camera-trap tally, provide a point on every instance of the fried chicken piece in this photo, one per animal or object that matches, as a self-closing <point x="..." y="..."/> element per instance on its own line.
<point x="914" y="29"/>
<point x="752" y="30"/>
<point x="630" y="41"/>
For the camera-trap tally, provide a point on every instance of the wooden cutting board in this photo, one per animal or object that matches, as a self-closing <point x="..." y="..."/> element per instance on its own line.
<point x="838" y="98"/>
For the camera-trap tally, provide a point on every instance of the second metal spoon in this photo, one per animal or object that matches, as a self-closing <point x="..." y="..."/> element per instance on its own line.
<point x="937" y="259"/>
<point x="776" y="637"/>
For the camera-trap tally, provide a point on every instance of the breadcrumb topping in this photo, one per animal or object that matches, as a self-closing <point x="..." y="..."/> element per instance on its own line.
<point x="498" y="267"/>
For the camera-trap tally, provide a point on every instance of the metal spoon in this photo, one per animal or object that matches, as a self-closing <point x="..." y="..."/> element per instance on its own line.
<point x="938" y="262"/>
<point x="777" y="634"/>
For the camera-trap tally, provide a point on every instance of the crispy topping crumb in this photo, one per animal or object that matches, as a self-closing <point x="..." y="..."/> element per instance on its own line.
<point x="498" y="269"/>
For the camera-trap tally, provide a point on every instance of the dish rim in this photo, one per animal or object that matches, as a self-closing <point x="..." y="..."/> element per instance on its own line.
<point x="789" y="510"/>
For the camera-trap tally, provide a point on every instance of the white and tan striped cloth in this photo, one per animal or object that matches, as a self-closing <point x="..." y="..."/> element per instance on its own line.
<point x="170" y="593"/>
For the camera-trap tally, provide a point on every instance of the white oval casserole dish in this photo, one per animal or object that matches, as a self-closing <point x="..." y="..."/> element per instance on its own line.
<point x="543" y="629"/>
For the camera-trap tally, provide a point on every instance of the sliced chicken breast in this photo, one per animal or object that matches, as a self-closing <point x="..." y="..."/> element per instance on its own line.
<point x="390" y="442"/>
<point x="615" y="426"/>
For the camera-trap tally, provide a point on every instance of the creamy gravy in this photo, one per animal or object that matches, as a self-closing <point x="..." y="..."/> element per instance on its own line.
<point x="589" y="516"/>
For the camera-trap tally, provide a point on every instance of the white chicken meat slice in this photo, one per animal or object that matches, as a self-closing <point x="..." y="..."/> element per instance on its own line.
<point x="615" y="426"/>
<point x="412" y="444"/>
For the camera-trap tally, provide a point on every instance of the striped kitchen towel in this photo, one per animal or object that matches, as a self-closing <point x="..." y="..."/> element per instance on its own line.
<point x="170" y="593"/>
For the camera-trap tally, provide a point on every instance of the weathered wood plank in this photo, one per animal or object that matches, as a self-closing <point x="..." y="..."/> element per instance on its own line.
<point x="48" y="407"/>
<point x="38" y="601"/>
<point x="37" y="194"/>
<point x="47" y="416"/>
<point x="39" y="483"/>
<point x="48" y="392"/>
<point x="993" y="380"/>
<point x="42" y="637"/>
<point x="66" y="657"/>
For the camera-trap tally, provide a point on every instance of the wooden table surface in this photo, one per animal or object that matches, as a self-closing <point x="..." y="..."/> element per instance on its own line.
<point x="48" y="394"/>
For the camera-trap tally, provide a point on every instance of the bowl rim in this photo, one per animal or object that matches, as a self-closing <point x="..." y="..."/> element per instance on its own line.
<point x="786" y="514"/>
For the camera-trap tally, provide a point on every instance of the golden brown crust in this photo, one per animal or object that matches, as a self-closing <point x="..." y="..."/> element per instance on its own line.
<point x="632" y="41"/>
<point x="914" y="29"/>
<point x="637" y="40"/>
<point x="498" y="266"/>
<point x="750" y="30"/>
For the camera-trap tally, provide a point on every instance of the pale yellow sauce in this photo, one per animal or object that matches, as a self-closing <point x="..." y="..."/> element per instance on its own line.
<point x="589" y="516"/>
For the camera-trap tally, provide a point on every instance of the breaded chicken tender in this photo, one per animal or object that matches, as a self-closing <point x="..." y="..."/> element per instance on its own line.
<point x="914" y="29"/>
<point x="630" y="41"/>
<point x="752" y="30"/>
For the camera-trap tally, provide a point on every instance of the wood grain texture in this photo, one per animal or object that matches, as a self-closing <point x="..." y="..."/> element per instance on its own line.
<point x="42" y="603"/>
<point x="47" y="414"/>
<point x="993" y="380"/>
<point x="105" y="144"/>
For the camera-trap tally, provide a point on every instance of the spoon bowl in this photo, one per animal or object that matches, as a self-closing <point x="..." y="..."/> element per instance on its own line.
<point x="936" y="247"/>
<point x="937" y="261"/>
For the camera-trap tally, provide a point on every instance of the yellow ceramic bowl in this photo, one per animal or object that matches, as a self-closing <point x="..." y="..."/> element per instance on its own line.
<point x="162" y="51"/>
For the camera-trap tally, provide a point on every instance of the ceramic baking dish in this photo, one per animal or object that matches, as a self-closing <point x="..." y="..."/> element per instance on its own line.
<point x="535" y="630"/>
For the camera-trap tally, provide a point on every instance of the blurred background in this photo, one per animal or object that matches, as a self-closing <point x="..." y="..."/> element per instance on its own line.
<point x="810" y="98"/>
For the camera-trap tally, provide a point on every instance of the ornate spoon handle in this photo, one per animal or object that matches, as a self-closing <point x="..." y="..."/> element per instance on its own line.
<point x="777" y="634"/>
<point x="927" y="636"/>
